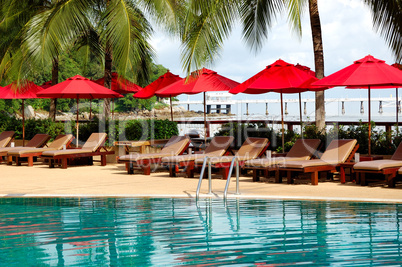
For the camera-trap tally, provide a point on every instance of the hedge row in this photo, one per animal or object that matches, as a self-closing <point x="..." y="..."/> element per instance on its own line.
<point x="116" y="130"/>
<point x="381" y="142"/>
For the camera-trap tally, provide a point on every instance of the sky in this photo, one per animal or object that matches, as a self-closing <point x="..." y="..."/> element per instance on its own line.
<point x="348" y="35"/>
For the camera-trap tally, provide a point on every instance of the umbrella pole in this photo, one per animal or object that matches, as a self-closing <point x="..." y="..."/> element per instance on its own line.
<point x="205" y="120"/>
<point x="301" y="118"/>
<point x="90" y="109"/>
<point x="283" y="129"/>
<point x="397" y="106"/>
<point x="171" y="109"/>
<point x="369" y="121"/>
<point x="23" y="123"/>
<point x="77" y="125"/>
<point x="112" y="108"/>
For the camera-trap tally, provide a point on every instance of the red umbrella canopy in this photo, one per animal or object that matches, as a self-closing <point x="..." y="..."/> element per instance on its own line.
<point x="305" y="69"/>
<point x="364" y="72"/>
<point x="27" y="90"/>
<point x="203" y="80"/>
<point x="78" y="87"/>
<point x="156" y="86"/>
<point x="396" y="65"/>
<point x="121" y="85"/>
<point x="46" y="85"/>
<point x="280" y="77"/>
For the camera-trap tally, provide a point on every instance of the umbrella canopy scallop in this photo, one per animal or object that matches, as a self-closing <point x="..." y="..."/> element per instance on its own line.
<point x="78" y="87"/>
<point x="121" y="85"/>
<point x="154" y="88"/>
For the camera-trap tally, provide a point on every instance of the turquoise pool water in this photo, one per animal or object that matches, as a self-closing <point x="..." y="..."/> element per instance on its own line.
<point x="173" y="232"/>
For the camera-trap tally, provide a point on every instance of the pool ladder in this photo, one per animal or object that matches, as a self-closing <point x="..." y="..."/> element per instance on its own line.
<point x="234" y="162"/>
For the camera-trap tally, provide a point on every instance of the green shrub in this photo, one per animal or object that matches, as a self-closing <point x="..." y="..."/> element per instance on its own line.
<point x="116" y="130"/>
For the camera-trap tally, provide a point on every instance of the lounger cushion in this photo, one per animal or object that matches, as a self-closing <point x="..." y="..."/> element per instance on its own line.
<point x="173" y="147"/>
<point x="23" y="150"/>
<point x="303" y="149"/>
<point x="339" y="150"/>
<point x="218" y="145"/>
<point x="53" y="153"/>
<point x="38" y="140"/>
<point x="377" y="165"/>
<point x="183" y="158"/>
<point x="5" y="138"/>
<point x="216" y="148"/>
<point x="300" y="164"/>
<point x="62" y="139"/>
<point x="225" y="159"/>
<point x="8" y="149"/>
<point x="95" y="140"/>
<point x="398" y="153"/>
<point x="265" y="162"/>
<point x="250" y="149"/>
<point x="400" y="171"/>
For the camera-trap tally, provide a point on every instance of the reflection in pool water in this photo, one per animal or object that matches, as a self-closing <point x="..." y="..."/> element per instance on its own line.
<point x="163" y="231"/>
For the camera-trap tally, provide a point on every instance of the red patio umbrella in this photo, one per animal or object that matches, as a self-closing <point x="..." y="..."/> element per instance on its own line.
<point x="78" y="87"/>
<point x="200" y="81"/>
<point x="120" y="85"/>
<point x="46" y="85"/>
<point x="280" y="77"/>
<point x="27" y="90"/>
<point x="365" y="73"/>
<point x="399" y="67"/>
<point x="156" y="86"/>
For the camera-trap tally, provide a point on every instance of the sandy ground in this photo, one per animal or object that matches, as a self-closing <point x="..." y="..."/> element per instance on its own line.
<point x="112" y="180"/>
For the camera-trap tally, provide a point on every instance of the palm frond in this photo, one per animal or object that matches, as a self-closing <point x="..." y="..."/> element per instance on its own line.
<point x="169" y="14"/>
<point x="257" y="17"/>
<point x="128" y="32"/>
<point x="208" y="24"/>
<point x="55" y="29"/>
<point x="296" y="9"/>
<point x="387" y="19"/>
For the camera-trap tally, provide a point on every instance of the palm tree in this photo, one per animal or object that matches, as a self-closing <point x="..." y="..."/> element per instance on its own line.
<point x="14" y="17"/>
<point x="117" y="30"/>
<point x="207" y="27"/>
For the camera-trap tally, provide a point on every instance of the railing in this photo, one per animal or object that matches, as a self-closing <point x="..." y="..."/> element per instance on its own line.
<point x="289" y="124"/>
<point x="225" y="193"/>
<point x="204" y="164"/>
<point x="235" y="161"/>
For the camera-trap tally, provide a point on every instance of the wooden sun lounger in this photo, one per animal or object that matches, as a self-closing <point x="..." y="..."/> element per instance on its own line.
<point x="175" y="146"/>
<point x="39" y="140"/>
<point x="252" y="148"/>
<point x="387" y="167"/>
<point x="303" y="149"/>
<point x="338" y="151"/>
<point x="30" y="153"/>
<point x="94" y="146"/>
<point x="5" y="139"/>
<point x="218" y="147"/>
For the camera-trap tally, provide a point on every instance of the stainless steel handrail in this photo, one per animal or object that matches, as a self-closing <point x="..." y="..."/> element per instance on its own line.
<point x="204" y="164"/>
<point x="234" y="161"/>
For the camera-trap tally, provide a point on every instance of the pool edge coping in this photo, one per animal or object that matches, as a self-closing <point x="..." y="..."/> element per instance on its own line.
<point x="215" y="196"/>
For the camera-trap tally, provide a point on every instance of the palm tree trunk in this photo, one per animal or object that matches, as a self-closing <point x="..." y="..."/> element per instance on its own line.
<point x="319" y="62"/>
<point x="55" y="80"/>
<point x="108" y="79"/>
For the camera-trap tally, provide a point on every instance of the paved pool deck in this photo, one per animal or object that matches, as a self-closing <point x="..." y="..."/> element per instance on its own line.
<point x="113" y="181"/>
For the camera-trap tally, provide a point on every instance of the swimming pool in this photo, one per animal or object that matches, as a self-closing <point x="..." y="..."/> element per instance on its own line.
<point x="210" y="232"/>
